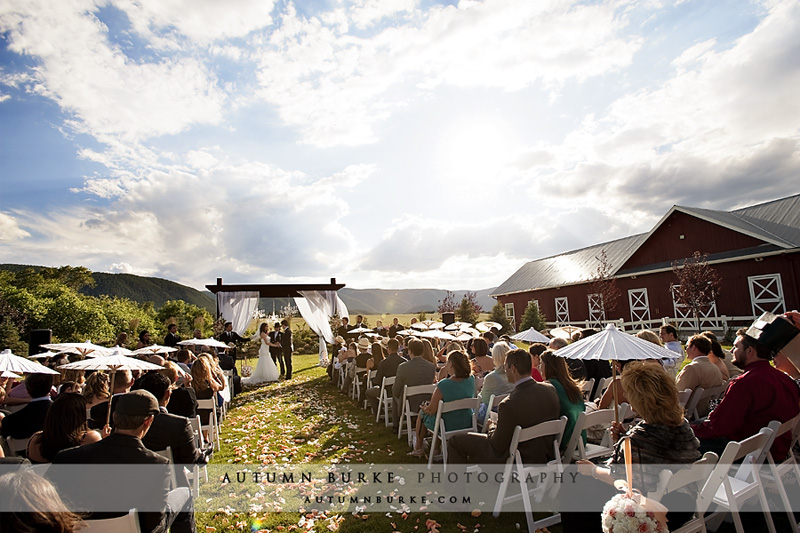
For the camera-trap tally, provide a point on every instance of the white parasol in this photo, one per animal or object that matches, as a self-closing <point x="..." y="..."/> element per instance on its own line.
<point x="19" y="365"/>
<point x="86" y="349"/>
<point x="464" y="336"/>
<point x="116" y="361"/>
<point x="154" y="349"/>
<point x="530" y="335"/>
<point x="44" y="355"/>
<point x="564" y="332"/>
<point x="7" y="374"/>
<point x="437" y="334"/>
<point x="458" y="325"/>
<point x="612" y="344"/>
<point x="360" y="330"/>
<point x="486" y="326"/>
<point x="214" y="343"/>
<point x="427" y="324"/>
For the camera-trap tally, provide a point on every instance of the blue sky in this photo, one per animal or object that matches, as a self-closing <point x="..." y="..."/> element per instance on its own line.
<point x="391" y="144"/>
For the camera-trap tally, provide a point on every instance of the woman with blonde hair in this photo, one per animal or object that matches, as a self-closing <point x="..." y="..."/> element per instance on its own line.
<point x="95" y="389"/>
<point x="427" y="351"/>
<point x="496" y="381"/>
<point x="650" y="336"/>
<point x="205" y="384"/>
<point x="555" y="370"/>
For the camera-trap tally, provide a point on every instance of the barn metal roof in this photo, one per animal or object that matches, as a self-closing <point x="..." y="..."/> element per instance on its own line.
<point x="776" y="222"/>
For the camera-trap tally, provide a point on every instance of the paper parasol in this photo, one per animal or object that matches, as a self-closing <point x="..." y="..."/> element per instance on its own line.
<point x="530" y="335"/>
<point x="458" y="325"/>
<point x="486" y="326"/>
<point x="427" y="324"/>
<point x="154" y="349"/>
<point x="214" y="343"/>
<point x="564" y="332"/>
<point x="19" y="365"/>
<point x="86" y="349"/>
<point x="612" y="344"/>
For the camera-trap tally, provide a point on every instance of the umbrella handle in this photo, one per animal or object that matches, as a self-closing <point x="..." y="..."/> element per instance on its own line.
<point x="111" y="395"/>
<point x="614" y="392"/>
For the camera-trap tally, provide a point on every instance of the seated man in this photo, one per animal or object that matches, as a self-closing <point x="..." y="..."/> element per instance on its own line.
<point x="530" y="403"/>
<point x="752" y="400"/>
<point x="415" y="371"/>
<point x="145" y="487"/>
<point x="387" y="368"/>
<point x="30" y="419"/>
<point x="700" y="372"/>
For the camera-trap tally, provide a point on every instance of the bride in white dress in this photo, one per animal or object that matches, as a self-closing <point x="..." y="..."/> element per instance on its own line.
<point x="265" y="369"/>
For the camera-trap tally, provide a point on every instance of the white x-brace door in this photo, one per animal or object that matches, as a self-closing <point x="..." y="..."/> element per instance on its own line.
<point x="766" y="294"/>
<point x="562" y="310"/>
<point x="639" y="305"/>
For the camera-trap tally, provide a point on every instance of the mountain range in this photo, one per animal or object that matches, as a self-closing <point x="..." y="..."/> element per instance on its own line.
<point x="366" y="301"/>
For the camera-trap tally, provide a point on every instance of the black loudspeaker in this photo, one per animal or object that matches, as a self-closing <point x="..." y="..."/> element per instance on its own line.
<point x="448" y="318"/>
<point x="39" y="337"/>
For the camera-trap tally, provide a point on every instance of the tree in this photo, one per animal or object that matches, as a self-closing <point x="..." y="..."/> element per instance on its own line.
<point x="469" y="309"/>
<point x="447" y="304"/>
<point x="698" y="284"/>
<point x="604" y="284"/>
<point x="533" y="318"/>
<point x="498" y="314"/>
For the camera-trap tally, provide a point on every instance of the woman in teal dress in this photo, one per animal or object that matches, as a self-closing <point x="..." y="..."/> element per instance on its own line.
<point x="460" y="385"/>
<point x="555" y="370"/>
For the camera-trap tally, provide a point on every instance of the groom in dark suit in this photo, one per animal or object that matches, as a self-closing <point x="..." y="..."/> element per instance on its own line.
<point x="276" y="351"/>
<point x="286" y="347"/>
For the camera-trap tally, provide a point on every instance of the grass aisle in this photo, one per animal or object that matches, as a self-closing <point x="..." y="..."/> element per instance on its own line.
<point x="306" y="420"/>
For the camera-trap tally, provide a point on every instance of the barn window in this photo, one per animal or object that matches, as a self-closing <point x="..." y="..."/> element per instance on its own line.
<point x="562" y="310"/>
<point x="639" y="305"/>
<point x="510" y="311"/>
<point x="597" y="311"/>
<point x="766" y="294"/>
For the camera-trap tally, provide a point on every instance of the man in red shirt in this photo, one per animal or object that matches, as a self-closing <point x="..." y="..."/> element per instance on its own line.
<point x="752" y="400"/>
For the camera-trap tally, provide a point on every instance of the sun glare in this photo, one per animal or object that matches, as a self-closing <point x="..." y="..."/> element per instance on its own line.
<point x="474" y="151"/>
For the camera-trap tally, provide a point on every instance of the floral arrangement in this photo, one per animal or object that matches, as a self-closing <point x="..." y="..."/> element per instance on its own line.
<point x="625" y="514"/>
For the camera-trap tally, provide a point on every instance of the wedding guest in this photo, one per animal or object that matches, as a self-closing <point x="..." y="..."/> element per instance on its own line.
<point x="95" y="390"/>
<point x="570" y="398"/>
<point x="34" y="505"/>
<point x="30" y="419"/>
<point x="183" y="401"/>
<point x="481" y="363"/>
<point x="496" y="381"/>
<point x="65" y="426"/>
<point x="144" y="339"/>
<point x="536" y="350"/>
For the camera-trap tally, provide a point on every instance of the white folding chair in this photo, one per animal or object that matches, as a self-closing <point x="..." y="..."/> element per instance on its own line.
<point x="128" y="523"/>
<point x="491" y="414"/>
<point x="15" y="446"/>
<point x="343" y="371"/>
<point x="776" y="472"/>
<point x="385" y="401"/>
<point x="553" y="428"/>
<point x="408" y="413"/>
<point x="746" y="483"/>
<point x="440" y="431"/>
<point x="701" y="405"/>
<point x="363" y="394"/>
<point x="691" y="403"/>
<point x="586" y="388"/>
<point x="199" y="442"/>
<point x="693" y="479"/>
<point x="211" y="428"/>
<point x="355" y="385"/>
<point x="604" y="384"/>
<point x="683" y="397"/>
<point x="167" y="453"/>
<point x="576" y="449"/>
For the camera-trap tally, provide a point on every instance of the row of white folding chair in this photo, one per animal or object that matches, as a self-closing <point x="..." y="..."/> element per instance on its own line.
<point x="554" y="428"/>
<point x="367" y="384"/>
<point x="343" y="371"/>
<point x="701" y="397"/>
<point x="199" y="441"/>
<point x="776" y="471"/>
<point x="385" y="401"/>
<point x="355" y="385"/>
<point x="576" y="449"/>
<point x="440" y="431"/>
<point x="406" y="411"/>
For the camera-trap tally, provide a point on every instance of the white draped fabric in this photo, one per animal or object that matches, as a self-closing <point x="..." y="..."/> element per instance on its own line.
<point x="317" y="308"/>
<point x="237" y="308"/>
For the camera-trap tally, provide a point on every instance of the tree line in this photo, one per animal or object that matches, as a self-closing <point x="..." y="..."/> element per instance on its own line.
<point x="52" y="298"/>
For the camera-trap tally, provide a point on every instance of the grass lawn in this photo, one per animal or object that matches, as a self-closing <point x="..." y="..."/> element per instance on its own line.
<point x="306" y="420"/>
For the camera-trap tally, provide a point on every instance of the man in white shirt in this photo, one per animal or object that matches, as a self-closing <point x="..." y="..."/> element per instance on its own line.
<point x="669" y="335"/>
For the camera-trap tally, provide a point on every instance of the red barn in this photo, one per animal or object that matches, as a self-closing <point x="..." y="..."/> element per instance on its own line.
<point x="755" y="251"/>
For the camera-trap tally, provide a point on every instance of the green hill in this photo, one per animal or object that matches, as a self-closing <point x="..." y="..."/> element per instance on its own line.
<point x="138" y="288"/>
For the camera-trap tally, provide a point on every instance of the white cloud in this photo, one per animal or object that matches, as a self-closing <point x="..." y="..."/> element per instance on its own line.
<point x="108" y="94"/>
<point x="335" y="87"/>
<point x="199" y="20"/>
<point x="9" y="229"/>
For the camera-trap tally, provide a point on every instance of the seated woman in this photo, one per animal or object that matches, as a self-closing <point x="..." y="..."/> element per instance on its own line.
<point x="616" y="387"/>
<point x="95" y="389"/>
<point x="481" y="363"/>
<point x="205" y="385"/>
<point x="536" y="350"/>
<point x="460" y="385"/>
<point x="556" y="372"/>
<point x="662" y="437"/>
<point x="65" y="426"/>
<point x="496" y="381"/>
